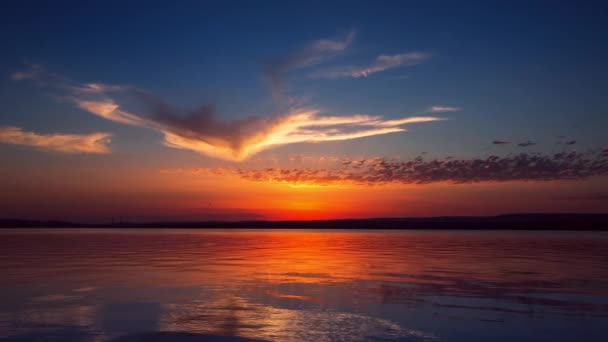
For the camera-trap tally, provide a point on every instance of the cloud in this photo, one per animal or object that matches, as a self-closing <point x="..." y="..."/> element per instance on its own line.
<point x="500" y="142"/>
<point x="596" y="196"/>
<point x="381" y="63"/>
<point x="314" y="53"/>
<point x="526" y="143"/>
<point x="443" y="109"/>
<point x="203" y="132"/>
<point x="65" y="143"/>
<point x="564" y="140"/>
<point x="522" y="167"/>
<point x="31" y="73"/>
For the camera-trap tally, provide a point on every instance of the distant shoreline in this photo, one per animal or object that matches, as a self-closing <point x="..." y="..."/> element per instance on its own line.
<point x="573" y="222"/>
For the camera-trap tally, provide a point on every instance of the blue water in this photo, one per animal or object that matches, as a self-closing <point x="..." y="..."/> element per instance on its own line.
<point x="103" y="285"/>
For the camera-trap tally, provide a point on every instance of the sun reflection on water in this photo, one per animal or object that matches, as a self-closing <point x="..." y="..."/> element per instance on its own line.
<point x="297" y="285"/>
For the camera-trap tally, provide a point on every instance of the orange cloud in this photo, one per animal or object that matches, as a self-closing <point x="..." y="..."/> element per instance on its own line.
<point x="201" y="131"/>
<point x="522" y="167"/>
<point x="238" y="140"/>
<point x="65" y="143"/>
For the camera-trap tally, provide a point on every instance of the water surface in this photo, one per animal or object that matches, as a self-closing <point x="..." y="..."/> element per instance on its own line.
<point x="105" y="284"/>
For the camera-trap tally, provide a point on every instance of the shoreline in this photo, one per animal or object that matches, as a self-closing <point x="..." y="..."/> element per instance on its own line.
<point x="571" y="222"/>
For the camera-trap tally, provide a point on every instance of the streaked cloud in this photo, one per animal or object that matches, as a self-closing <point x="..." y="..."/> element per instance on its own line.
<point x="314" y="53"/>
<point x="526" y="143"/>
<point x="202" y="131"/>
<point x="381" y="63"/>
<point x="31" y="73"/>
<point x="500" y="142"/>
<point x="561" y="166"/>
<point x="565" y="140"/>
<point x="595" y="196"/>
<point x="65" y="143"/>
<point x="443" y="109"/>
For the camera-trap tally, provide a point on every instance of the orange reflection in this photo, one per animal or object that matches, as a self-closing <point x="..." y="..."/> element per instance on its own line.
<point x="279" y="285"/>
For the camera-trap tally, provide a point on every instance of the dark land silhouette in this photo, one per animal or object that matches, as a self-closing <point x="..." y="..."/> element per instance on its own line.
<point x="500" y="222"/>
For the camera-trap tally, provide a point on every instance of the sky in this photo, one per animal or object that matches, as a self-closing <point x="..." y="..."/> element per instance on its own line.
<point x="145" y="111"/>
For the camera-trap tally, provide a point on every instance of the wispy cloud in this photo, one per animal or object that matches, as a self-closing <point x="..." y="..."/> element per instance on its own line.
<point x="381" y="63"/>
<point x="595" y="196"/>
<point x="203" y="132"/>
<point x="65" y="143"/>
<point x="500" y="142"/>
<point x="24" y="75"/>
<point x="443" y="109"/>
<point x="314" y="53"/>
<point x="522" y="167"/>
<point x="526" y="143"/>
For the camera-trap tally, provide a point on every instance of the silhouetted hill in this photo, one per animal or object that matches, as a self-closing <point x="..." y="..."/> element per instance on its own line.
<point x="501" y="222"/>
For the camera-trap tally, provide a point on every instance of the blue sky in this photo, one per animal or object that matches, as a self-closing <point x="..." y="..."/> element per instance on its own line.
<point x="519" y="71"/>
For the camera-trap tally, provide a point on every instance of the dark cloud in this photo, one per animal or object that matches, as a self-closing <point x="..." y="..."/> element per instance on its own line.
<point x="520" y="167"/>
<point x="564" y="140"/>
<point x="597" y="196"/>
<point x="526" y="143"/>
<point x="202" y="124"/>
<point x="500" y="142"/>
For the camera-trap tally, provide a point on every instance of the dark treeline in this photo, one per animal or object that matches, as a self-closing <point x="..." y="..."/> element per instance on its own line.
<point x="501" y="222"/>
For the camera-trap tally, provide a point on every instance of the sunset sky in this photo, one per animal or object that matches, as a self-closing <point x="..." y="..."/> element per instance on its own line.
<point x="308" y="110"/>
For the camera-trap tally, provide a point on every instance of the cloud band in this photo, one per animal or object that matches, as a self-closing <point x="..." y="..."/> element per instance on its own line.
<point x="65" y="143"/>
<point x="561" y="166"/>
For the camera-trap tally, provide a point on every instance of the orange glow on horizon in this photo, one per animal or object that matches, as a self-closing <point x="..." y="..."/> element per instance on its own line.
<point x="146" y="193"/>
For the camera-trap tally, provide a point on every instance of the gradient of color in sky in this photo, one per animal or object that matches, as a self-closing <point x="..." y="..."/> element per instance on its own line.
<point x="154" y="111"/>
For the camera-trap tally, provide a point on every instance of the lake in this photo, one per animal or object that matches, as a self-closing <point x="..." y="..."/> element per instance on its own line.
<point x="302" y="285"/>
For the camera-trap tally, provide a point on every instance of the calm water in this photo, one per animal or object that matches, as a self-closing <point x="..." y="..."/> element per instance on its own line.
<point x="99" y="285"/>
